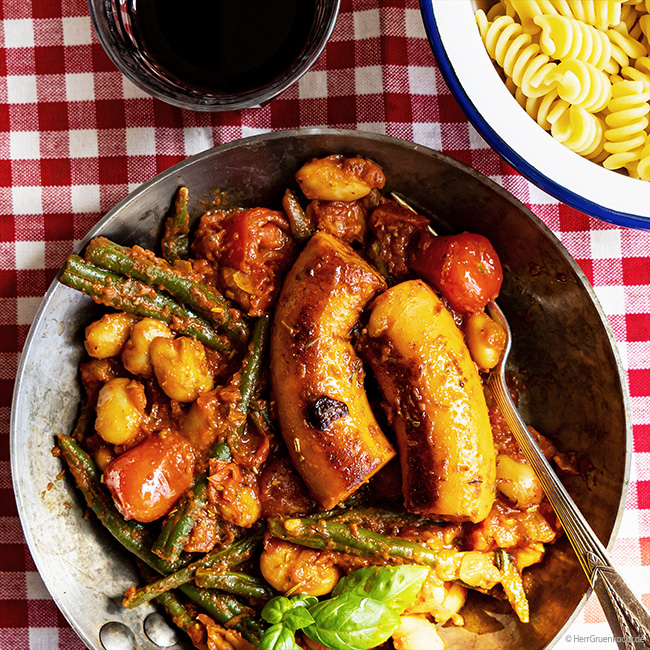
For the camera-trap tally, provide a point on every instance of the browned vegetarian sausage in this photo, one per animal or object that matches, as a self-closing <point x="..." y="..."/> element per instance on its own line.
<point x="435" y="402"/>
<point x="318" y="380"/>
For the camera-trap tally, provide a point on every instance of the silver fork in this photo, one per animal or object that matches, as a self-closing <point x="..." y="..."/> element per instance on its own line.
<point x="629" y="620"/>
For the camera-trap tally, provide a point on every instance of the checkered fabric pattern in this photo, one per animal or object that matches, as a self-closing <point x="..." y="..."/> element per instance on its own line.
<point x="76" y="137"/>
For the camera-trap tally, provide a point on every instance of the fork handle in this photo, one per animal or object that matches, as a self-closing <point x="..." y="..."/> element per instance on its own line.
<point x="629" y="620"/>
<point x="626" y="616"/>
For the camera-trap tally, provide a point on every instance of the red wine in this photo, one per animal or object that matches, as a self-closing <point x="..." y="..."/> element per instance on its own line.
<point x="224" y="46"/>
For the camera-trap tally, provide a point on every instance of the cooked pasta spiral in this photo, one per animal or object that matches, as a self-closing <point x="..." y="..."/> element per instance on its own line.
<point x="644" y="26"/>
<point x="641" y="169"/>
<point x="513" y="49"/>
<point x="640" y="72"/>
<point x="499" y="9"/>
<point x="568" y="38"/>
<point x="599" y="13"/>
<point x="626" y="123"/>
<point x="629" y="15"/>
<point x="581" y="84"/>
<point x="545" y="110"/>
<point x="621" y="38"/>
<point x="581" y="132"/>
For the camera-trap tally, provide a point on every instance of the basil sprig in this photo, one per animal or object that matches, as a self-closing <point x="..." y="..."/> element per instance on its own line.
<point x="363" y="612"/>
<point x="351" y="621"/>
<point x="395" y="586"/>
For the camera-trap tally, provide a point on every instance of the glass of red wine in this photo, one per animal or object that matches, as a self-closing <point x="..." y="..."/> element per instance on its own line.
<point x="214" y="56"/>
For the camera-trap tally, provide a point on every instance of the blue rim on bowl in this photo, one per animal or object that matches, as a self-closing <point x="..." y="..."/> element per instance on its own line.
<point x="469" y="92"/>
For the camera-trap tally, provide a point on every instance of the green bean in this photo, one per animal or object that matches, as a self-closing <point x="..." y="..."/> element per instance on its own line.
<point x="302" y="228"/>
<point x="175" y="243"/>
<point x="253" y="362"/>
<point x="224" y="609"/>
<point x="370" y="515"/>
<point x="240" y="584"/>
<point x="333" y="536"/>
<point x="179" y="281"/>
<point x="174" y="607"/>
<point x="260" y="416"/>
<point x="181" y="521"/>
<point x="85" y="424"/>
<point x="137" y="298"/>
<point x="134" y="536"/>
<point x="236" y="553"/>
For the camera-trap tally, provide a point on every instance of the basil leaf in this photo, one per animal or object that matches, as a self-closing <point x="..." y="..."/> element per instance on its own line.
<point x="297" y="618"/>
<point x="277" y="637"/>
<point x="351" y="622"/>
<point x="275" y="609"/>
<point x="394" y="586"/>
<point x="303" y="601"/>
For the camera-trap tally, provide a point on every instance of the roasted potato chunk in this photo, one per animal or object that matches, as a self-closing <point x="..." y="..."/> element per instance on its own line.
<point x="485" y="339"/>
<point x="517" y="482"/>
<point x="336" y="178"/>
<point x="289" y="567"/>
<point x="120" y="410"/>
<point x="106" y="337"/>
<point x="135" y="353"/>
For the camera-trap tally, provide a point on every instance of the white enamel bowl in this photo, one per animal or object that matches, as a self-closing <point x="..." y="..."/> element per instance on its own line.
<point x="507" y="128"/>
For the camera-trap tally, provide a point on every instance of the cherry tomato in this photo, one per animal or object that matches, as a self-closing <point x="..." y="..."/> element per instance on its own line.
<point x="464" y="268"/>
<point x="147" y="480"/>
<point x="251" y="250"/>
<point x="252" y="237"/>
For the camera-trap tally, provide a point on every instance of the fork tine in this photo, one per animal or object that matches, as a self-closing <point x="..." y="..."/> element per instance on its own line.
<point x="401" y="201"/>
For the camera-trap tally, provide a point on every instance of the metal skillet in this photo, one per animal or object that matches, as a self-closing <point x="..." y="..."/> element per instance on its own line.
<point x="564" y="353"/>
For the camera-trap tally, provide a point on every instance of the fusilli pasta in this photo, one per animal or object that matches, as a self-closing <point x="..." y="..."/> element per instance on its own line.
<point x="581" y="84"/>
<point x="581" y="132"/>
<point x="642" y="169"/>
<point x="599" y="13"/>
<point x="581" y="69"/>
<point x="513" y="49"/>
<point x="626" y="123"/>
<point x="568" y="38"/>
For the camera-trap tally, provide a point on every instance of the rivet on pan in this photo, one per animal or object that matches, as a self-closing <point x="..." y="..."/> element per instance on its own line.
<point x="116" y="636"/>
<point x="159" y="631"/>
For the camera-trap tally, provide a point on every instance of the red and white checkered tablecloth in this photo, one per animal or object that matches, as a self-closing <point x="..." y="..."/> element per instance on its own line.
<point x="76" y="137"/>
